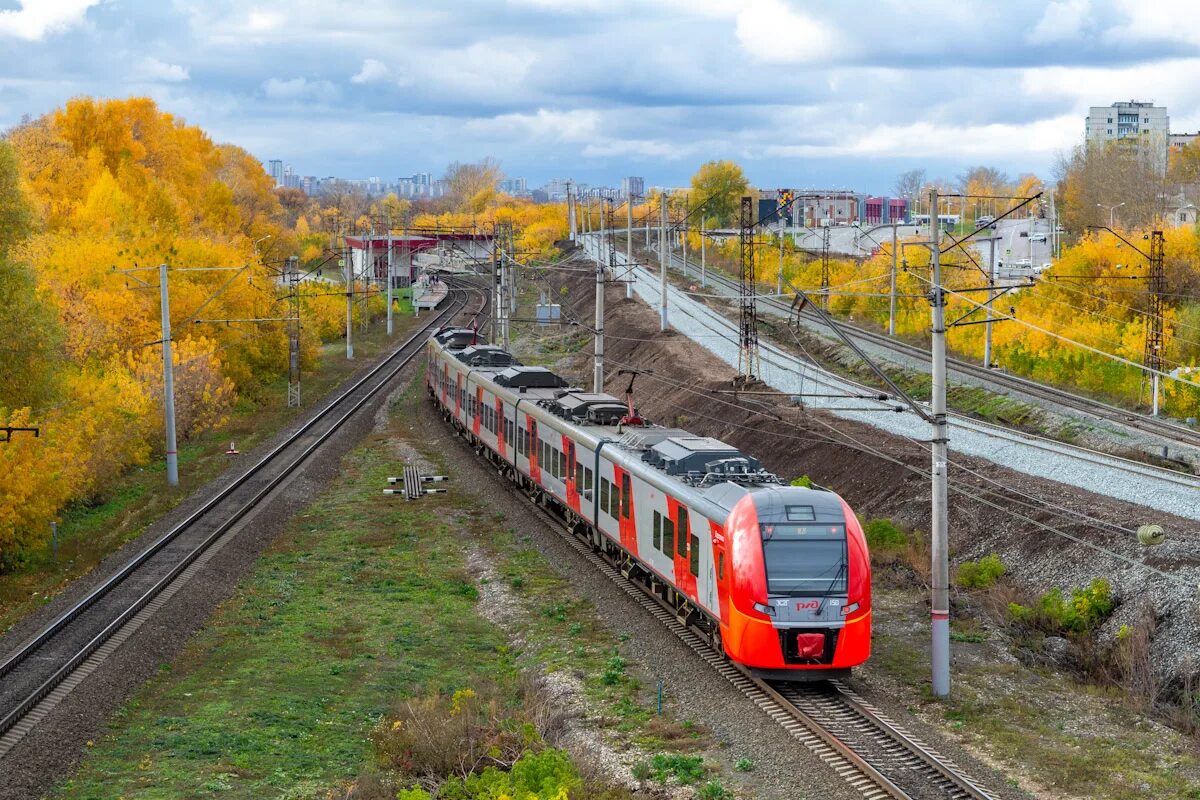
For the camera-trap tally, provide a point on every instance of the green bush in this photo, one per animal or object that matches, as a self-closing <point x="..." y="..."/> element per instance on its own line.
<point x="980" y="574"/>
<point x="744" y="765"/>
<point x="1054" y="613"/>
<point x="713" y="790"/>
<point x="803" y="481"/>
<point x="684" y="769"/>
<point x="614" y="670"/>
<point x="883" y="534"/>
<point x="535" y="776"/>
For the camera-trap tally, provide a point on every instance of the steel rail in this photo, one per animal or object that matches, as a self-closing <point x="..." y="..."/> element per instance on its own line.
<point x="1099" y="409"/>
<point x="13" y="717"/>
<point x="1027" y="439"/>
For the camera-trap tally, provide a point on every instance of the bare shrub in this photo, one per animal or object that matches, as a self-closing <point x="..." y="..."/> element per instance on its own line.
<point x="545" y="708"/>
<point x="367" y="787"/>
<point x="1133" y="664"/>
<point x="438" y="737"/>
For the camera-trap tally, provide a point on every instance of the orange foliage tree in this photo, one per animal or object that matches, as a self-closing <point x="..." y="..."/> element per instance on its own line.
<point x="114" y="186"/>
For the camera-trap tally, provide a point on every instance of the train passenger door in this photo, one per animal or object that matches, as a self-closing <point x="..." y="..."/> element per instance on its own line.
<point x="535" y="466"/>
<point x="570" y="480"/>
<point x="687" y="548"/>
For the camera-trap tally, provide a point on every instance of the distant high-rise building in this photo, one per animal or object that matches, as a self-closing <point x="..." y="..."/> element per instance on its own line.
<point x="290" y="179"/>
<point x="556" y="190"/>
<point x="309" y="184"/>
<point x="1141" y="124"/>
<point x="513" y="186"/>
<point x="275" y="167"/>
<point x="633" y="187"/>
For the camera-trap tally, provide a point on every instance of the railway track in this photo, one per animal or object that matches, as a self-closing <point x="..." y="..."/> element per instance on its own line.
<point x="835" y="383"/>
<point x="871" y="753"/>
<point x="1170" y="432"/>
<point x="41" y="672"/>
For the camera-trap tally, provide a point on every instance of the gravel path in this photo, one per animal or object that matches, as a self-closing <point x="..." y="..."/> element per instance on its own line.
<point x="1124" y="480"/>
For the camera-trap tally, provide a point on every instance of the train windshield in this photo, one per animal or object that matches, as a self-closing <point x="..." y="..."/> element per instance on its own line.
<point x="805" y="560"/>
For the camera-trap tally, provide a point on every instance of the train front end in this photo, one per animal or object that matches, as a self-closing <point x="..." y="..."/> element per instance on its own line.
<point x="800" y="588"/>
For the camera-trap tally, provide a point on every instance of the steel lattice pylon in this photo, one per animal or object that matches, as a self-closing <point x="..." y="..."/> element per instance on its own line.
<point x="1157" y="287"/>
<point x="749" y="364"/>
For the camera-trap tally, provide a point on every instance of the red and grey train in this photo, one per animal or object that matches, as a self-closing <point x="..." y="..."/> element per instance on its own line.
<point x="778" y="576"/>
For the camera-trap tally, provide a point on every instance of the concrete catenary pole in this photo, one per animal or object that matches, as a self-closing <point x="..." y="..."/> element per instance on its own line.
<point x="571" y="211"/>
<point x="629" y="249"/>
<point x="164" y="296"/>
<point x="703" y="273"/>
<point x="292" y="280"/>
<point x="940" y="574"/>
<point x="349" y="301"/>
<point x="662" y="263"/>
<point x="892" y="290"/>
<point x="388" y="292"/>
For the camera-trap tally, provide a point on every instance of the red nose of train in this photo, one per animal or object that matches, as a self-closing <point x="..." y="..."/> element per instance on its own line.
<point x="800" y="588"/>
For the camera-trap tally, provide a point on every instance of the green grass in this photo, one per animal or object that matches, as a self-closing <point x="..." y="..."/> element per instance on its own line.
<point x="365" y="601"/>
<point x="89" y="532"/>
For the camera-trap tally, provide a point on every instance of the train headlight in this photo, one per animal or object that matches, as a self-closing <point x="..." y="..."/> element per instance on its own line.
<point x="764" y="609"/>
<point x="849" y="609"/>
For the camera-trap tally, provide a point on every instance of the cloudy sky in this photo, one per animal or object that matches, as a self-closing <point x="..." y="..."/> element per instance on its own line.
<point x="845" y="93"/>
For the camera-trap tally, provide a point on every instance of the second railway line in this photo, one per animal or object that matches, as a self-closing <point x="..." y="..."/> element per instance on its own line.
<point x="40" y="672"/>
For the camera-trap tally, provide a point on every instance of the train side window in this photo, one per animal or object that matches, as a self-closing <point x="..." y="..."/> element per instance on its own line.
<point x="587" y="479"/>
<point x="625" y="495"/>
<point x="682" y="543"/>
<point x="721" y="566"/>
<point x="668" y="537"/>
<point x="657" y="531"/>
<point x="604" y="495"/>
<point x="578" y="477"/>
<point x="693" y="553"/>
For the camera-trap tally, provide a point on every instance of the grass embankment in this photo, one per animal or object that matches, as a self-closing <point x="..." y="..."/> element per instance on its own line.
<point x="89" y="533"/>
<point x="365" y="622"/>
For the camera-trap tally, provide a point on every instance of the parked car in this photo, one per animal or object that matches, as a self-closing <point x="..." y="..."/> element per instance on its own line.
<point x="1037" y="237"/>
<point x="984" y="220"/>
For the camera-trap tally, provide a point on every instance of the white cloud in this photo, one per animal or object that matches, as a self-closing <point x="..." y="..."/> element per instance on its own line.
<point x="298" y="89"/>
<point x="259" y="21"/>
<point x="36" y="18"/>
<point x="371" y="71"/>
<point x="927" y="139"/>
<point x="1062" y="20"/>
<point x="770" y="31"/>
<point x="1171" y="20"/>
<point x="1170" y="82"/>
<point x="579" y="125"/>
<point x="152" y="69"/>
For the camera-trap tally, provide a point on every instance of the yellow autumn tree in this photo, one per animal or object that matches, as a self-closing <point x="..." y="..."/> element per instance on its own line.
<point x="113" y="188"/>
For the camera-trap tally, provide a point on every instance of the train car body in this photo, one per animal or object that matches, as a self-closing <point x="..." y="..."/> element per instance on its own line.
<point x="778" y="576"/>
